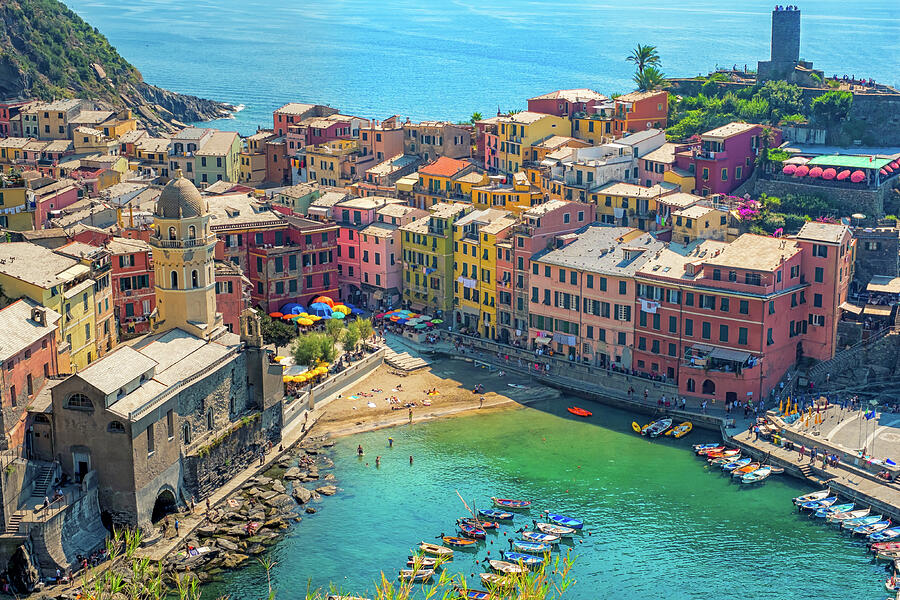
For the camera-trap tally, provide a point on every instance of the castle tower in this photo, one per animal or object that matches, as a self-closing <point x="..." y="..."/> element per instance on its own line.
<point x="183" y="255"/>
<point x="786" y="36"/>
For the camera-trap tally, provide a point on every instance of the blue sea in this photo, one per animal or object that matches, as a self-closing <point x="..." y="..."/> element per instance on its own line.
<point x="445" y="60"/>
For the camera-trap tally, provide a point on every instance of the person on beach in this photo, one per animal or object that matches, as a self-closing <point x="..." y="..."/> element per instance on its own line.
<point x="410" y="414"/>
<point x="800" y="452"/>
<point x="359" y="450"/>
<point x="481" y="402"/>
<point x="207" y="506"/>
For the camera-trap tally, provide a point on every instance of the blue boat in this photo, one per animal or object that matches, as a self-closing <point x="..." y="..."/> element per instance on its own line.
<point x="817" y="504"/>
<point x="872" y="528"/>
<point x="886" y="535"/>
<point x="823" y="512"/>
<point x="736" y="464"/>
<point x="565" y="521"/>
<point x="529" y="560"/>
<point x="861" y="521"/>
<point x="530" y="547"/>
<point x="537" y="536"/>
<point x="495" y="514"/>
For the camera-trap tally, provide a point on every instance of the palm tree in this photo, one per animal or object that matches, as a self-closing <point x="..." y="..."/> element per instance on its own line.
<point x="643" y="57"/>
<point x="476" y="116"/>
<point x="649" y="79"/>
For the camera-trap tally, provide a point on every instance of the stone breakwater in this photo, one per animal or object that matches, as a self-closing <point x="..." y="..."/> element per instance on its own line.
<point x="256" y="515"/>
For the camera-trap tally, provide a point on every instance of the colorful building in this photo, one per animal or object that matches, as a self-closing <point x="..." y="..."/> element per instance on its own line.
<point x="16" y="204"/>
<point x="337" y="163"/>
<point x="430" y="140"/>
<point x="382" y="139"/>
<point x="517" y="133"/>
<point x="700" y="222"/>
<point x="627" y="204"/>
<point x="218" y="158"/>
<point x="133" y="287"/>
<point x="564" y="103"/>
<point x="446" y="180"/>
<point x="9" y="114"/>
<point x="427" y="250"/>
<point x="639" y="111"/>
<point x="294" y="112"/>
<point x="253" y="157"/>
<point x="517" y="196"/>
<point x="232" y="293"/>
<point x="53" y="118"/>
<point x="88" y="141"/>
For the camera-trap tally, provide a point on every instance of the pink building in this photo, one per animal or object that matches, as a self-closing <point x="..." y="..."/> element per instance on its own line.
<point x="725" y="157"/>
<point x="134" y="296"/>
<point x="320" y="129"/>
<point x="383" y="139"/>
<point x="294" y="112"/>
<point x="232" y="292"/>
<point x="9" y="110"/>
<point x="564" y="103"/>
<point x="56" y="195"/>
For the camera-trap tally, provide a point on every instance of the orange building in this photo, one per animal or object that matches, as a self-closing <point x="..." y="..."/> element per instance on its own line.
<point x="639" y="111"/>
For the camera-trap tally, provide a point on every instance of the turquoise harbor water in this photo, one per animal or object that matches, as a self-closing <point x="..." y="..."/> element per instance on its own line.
<point x="448" y="59"/>
<point x="662" y="525"/>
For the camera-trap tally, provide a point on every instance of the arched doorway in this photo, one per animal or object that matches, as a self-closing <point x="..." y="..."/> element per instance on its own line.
<point x="165" y="504"/>
<point x="731" y="396"/>
<point x="709" y="387"/>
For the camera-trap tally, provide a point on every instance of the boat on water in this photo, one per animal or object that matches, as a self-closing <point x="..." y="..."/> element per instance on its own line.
<point x="871" y="528"/>
<point x="435" y="550"/>
<point x="529" y="560"/>
<point x="480" y="524"/>
<point x="474" y="594"/>
<point x="889" y="555"/>
<point x="459" y="542"/>
<point x="495" y="580"/>
<point x="757" y="476"/>
<point x="734" y="453"/>
<point x="530" y="547"/>
<point x="708" y="450"/>
<point x="721" y="461"/>
<point x="883" y="536"/>
<point x="812" y="496"/>
<point x="471" y="531"/>
<point x="565" y="521"/>
<point x="892" y="585"/>
<point x="511" y="504"/>
<point x="823" y="512"/>
<point x="537" y="536"/>
<point x="852" y="524"/>
<point x="580" y="412"/>
<point x="496" y="515"/>
<point x="339" y="597"/>
<point x="417" y="561"/>
<point x="417" y="576"/>
<point x="735" y="464"/>
<point x="507" y="567"/>
<point x="657" y="428"/>
<point x="816" y="504"/>
<point x="850" y="514"/>
<point x="679" y="431"/>
<point x="748" y="468"/>
<point x="554" y="529"/>
<point x="885" y="547"/>
<point x="698" y="447"/>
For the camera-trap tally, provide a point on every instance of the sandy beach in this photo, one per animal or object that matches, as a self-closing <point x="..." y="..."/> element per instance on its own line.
<point x="368" y="404"/>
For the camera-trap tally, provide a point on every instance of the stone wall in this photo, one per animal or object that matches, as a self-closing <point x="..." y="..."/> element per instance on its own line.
<point x="16" y="483"/>
<point x="868" y="201"/>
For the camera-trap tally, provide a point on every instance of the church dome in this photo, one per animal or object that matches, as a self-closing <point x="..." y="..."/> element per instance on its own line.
<point x="179" y="199"/>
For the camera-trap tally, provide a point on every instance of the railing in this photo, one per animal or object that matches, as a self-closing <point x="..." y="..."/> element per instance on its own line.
<point x="825" y="366"/>
<point x="184" y="243"/>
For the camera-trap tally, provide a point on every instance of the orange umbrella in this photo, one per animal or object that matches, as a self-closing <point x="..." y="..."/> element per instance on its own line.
<point x="324" y="299"/>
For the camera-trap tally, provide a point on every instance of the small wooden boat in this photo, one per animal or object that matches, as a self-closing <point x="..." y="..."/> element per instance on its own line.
<point x="471" y="530"/>
<point x="459" y="542"/>
<point x="474" y="594"/>
<point x="843" y="516"/>
<point x="504" y="566"/>
<point x="536" y="536"/>
<point x="734" y="452"/>
<point x="435" y="550"/>
<point x="496" y="515"/>
<point x="811" y="496"/>
<point x="417" y="561"/>
<point x="889" y="555"/>
<point x="530" y="547"/>
<point x="871" y="528"/>
<point x="817" y="504"/>
<point x="415" y="576"/>
<point x="658" y="427"/>
<point x="580" y="412"/>
<point x="748" y="468"/>
<point x="710" y="449"/>
<point x="757" y="476"/>
<point x="679" y="431"/>
<point x="565" y="521"/>
<point x="511" y="504"/>
<point x="555" y="529"/>
<point x="885" y="547"/>
<point x="883" y="536"/>
<point x="339" y="597"/>
<point x="852" y="524"/>
<point x="698" y="447"/>
<point x="736" y="464"/>
<point x="722" y="460"/>
<point x="529" y="560"/>
<point x="823" y="512"/>
<point x="495" y="580"/>
<point x="481" y="524"/>
<point x="892" y="585"/>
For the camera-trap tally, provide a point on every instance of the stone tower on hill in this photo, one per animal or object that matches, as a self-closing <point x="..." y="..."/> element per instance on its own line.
<point x="183" y="257"/>
<point x="784" y="61"/>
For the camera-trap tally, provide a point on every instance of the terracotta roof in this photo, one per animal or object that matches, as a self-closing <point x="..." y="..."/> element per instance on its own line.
<point x="576" y="95"/>
<point x="635" y="96"/>
<point x="726" y="131"/>
<point x="444" y="167"/>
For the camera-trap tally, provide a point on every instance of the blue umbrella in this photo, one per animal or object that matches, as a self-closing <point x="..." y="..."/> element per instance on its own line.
<point x="402" y="321"/>
<point x="292" y="308"/>
<point x="357" y="311"/>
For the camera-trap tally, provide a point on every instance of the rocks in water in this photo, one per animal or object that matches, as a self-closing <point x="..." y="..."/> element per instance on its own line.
<point x="256" y="549"/>
<point x="294" y="473"/>
<point x="281" y="501"/>
<point x="310" y="510"/>
<point x="226" y="544"/>
<point x="263" y="480"/>
<point x="23" y="576"/>
<point x="327" y="463"/>
<point x="327" y="490"/>
<point x="329" y="477"/>
<point x="279" y="487"/>
<point x="258" y="515"/>
<point x="233" y="560"/>
<point x="301" y="494"/>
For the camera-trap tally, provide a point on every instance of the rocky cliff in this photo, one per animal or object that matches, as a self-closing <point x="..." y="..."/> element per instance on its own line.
<point x="47" y="51"/>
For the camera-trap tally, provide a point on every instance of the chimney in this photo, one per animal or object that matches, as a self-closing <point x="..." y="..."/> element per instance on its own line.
<point x="38" y="315"/>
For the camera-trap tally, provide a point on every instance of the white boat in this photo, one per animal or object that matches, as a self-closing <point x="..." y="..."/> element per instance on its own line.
<point x="820" y="495"/>
<point x="552" y="529"/>
<point x="657" y="428"/>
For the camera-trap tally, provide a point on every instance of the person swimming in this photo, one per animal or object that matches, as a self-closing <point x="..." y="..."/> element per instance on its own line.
<point x="359" y="450"/>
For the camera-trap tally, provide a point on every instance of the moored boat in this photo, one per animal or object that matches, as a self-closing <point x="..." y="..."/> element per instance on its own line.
<point x="339" y="597"/>
<point x="529" y="547"/>
<point x="871" y="528"/>
<point x="748" y="468"/>
<point x="474" y="594"/>
<point x="852" y="524"/>
<point x="723" y="453"/>
<point x="735" y="464"/>
<point x="892" y="585"/>
<point x="823" y="512"/>
<point x="553" y="529"/>
<point x="470" y="530"/>
<point x="757" y="476"/>
<point x="698" y="447"/>
<point x="889" y="555"/>
<point x="507" y="567"/>
<point x="816" y="504"/>
<point x="565" y="521"/>
<point x="481" y="524"/>
<point x="495" y="580"/>
<point x="657" y="428"/>
<point x="417" y="561"/>
<point x="885" y="547"/>
<point x="883" y="536"/>
<point x="436" y="550"/>
<point x="679" y="431"/>
<point x="529" y="560"/>
<point x="537" y="536"/>
<point x="812" y="496"/>
<point x="496" y="515"/>
<point x="580" y="412"/>
<point x="459" y="542"/>
<point x="709" y="450"/>
<point x="417" y="576"/>
<point x="722" y="460"/>
<point x="511" y="504"/>
<point x="843" y="516"/>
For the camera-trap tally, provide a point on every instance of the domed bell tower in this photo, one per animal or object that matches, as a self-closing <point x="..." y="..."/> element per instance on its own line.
<point x="183" y="257"/>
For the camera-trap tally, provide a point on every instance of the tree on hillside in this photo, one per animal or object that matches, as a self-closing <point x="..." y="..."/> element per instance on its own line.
<point x="783" y="98"/>
<point x="644" y="56"/>
<point x="276" y="332"/>
<point x="311" y="348"/>
<point x="476" y="116"/>
<point x="649" y="79"/>
<point x="831" y="107"/>
<point x="333" y="329"/>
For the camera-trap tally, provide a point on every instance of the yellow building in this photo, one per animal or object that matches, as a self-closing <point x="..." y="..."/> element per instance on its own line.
<point x="597" y="129"/>
<point x="684" y="179"/>
<point x="253" y="157"/>
<point x="554" y="143"/>
<point x="475" y="238"/>
<point x="629" y="205"/>
<point x="519" y="132"/>
<point x="446" y="180"/>
<point x="153" y="154"/>
<point x="120" y="124"/>
<point x="53" y="117"/>
<point x="700" y="222"/>
<point x="14" y="204"/>
<point x="59" y="283"/>
<point x="88" y="141"/>
<point x="516" y="197"/>
<point x="334" y="163"/>
<point x="427" y="249"/>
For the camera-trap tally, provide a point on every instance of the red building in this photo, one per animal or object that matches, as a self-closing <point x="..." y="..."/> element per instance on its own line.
<point x="232" y="292"/>
<point x="28" y="358"/>
<point x="132" y="283"/>
<point x="639" y="111"/>
<point x="564" y="103"/>
<point x="9" y="109"/>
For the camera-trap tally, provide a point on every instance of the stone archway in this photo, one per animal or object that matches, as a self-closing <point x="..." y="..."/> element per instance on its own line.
<point x="165" y="504"/>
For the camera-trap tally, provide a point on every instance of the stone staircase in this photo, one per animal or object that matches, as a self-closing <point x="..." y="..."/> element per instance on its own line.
<point x="42" y="482"/>
<point x="404" y="361"/>
<point x="12" y="525"/>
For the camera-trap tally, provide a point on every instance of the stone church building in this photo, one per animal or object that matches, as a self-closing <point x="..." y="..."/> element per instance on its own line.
<point x="172" y="415"/>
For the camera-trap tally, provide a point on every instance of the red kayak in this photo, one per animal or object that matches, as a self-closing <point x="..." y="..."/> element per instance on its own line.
<point x="580" y="411"/>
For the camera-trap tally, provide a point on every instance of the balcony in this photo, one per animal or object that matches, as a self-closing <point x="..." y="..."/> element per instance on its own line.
<point x="711" y="358"/>
<point x="183" y="243"/>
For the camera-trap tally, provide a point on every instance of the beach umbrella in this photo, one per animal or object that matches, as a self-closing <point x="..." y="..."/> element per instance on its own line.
<point x="305" y="322"/>
<point x="420" y="326"/>
<point x="829" y="173"/>
<point x="425" y="317"/>
<point x="380" y="315"/>
<point x="286" y="378"/>
<point x="857" y="176"/>
<point x="337" y="315"/>
<point x="801" y="171"/>
<point x="429" y="324"/>
<point x="789" y="169"/>
<point x="275" y="315"/>
<point x="403" y="321"/>
<point x="314" y="318"/>
<point x="815" y="172"/>
<point x="437" y="321"/>
<point x="843" y="175"/>
<point x="341" y="308"/>
<point x="324" y="300"/>
<point x="357" y="311"/>
<point x="292" y="308"/>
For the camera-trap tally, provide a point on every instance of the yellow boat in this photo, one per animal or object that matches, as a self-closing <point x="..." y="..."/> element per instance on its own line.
<point x="637" y="428"/>
<point x="681" y="431"/>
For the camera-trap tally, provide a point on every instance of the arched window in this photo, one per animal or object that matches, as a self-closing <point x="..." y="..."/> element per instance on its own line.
<point x="691" y="385"/>
<point x="186" y="434"/>
<point x="174" y="280"/>
<point x="709" y="387"/>
<point x="195" y="279"/>
<point x="171" y="233"/>
<point x="192" y="232"/>
<point x="115" y="427"/>
<point x="79" y="401"/>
